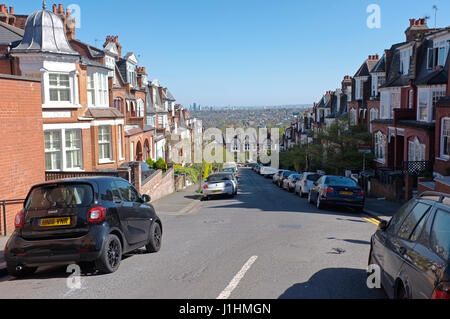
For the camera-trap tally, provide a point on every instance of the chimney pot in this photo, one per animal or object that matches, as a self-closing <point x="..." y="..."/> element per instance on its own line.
<point x="11" y="10"/>
<point x="55" y="8"/>
<point x="61" y="9"/>
<point x="412" y="22"/>
<point x="68" y="12"/>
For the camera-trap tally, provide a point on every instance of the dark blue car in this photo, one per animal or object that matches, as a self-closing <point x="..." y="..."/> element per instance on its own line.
<point x="337" y="191"/>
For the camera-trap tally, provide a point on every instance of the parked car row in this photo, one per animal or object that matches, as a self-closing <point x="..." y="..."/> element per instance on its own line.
<point x="322" y="190"/>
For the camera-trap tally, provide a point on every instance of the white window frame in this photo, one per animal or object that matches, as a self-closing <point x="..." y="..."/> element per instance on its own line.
<point x="97" y="86"/>
<point x="380" y="147"/>
<point x="405" y="60"/>
<point x="416" y="151"/>
<point x="441" y="138"/>
<point x="104" y="160"/>
<point x="140" y="112"/>
<point x="63" y="149"/>
<point x="426" y="99"/>
<point x="353" y="117"/>
<point x="119" y="141"/>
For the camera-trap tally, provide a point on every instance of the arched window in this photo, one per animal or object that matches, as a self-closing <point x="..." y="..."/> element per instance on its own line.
<point x="373" y="116"/>
<point x="380" y="146"/>
<point x="118" y="104"/>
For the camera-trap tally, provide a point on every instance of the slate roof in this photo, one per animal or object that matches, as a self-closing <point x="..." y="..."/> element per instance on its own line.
<point x="88" y="62"/>
<point x="393" y="78"/>
<point x="10" y="34"/>
<point x="94" y="53"/>
<point x="44" y="32"/>
<point x="366" y="68"/>
<point x="380" y="66"/>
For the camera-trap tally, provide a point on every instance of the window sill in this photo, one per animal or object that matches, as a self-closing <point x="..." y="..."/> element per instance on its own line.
<point x="380" y="161"/>
<point x="67" y="105"/>
<point x="108" y="161"/>
<point x="443" y="158"/>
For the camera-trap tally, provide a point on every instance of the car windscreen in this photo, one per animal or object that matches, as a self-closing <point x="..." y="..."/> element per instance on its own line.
<point x="340" y="181"/>
<point x="217" y="178"/>
<point x="60" y="196"/>
<point x="313" y="177"/>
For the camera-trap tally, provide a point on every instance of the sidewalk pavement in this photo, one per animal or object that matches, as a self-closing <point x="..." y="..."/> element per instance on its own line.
<point x="381" y="209"/>
<point x="179" y="203"/>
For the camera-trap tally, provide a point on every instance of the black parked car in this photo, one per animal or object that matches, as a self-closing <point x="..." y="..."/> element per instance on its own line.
<point x="413" y="249"/>
<point x="337" y="190"/>
<point x="94" y="220"/>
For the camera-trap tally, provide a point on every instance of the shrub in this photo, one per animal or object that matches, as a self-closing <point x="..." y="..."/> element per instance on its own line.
<point x="160" y="164"/>
<point x="150" y="163"/>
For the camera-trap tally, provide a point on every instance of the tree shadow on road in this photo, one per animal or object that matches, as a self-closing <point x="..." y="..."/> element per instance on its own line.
<point x="334" y="283"/>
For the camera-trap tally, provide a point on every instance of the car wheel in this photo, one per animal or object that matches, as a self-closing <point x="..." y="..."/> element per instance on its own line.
<point x="111" y="255"/>
<point x="401" y="292"/>
<point x="20" y="271"/>
<point x="154" y="244"/>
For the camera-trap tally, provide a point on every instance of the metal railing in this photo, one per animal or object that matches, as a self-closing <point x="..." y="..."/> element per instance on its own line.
<point x="3" y="203"/>
<point x="51" y="176"/>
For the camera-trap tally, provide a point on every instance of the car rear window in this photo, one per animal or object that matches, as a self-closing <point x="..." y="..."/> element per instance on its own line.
<point x="340" y="181"/>
<point x="217" y="178"/>
<point x="60" y="196"/>
<point x="313" y="178"/>
<point x="440" y="234"/>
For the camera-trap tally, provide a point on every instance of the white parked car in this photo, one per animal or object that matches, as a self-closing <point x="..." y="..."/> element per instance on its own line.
<point x="218" y="184"/>
<point x="267" y="171"/>
<point x="305" y="183"/>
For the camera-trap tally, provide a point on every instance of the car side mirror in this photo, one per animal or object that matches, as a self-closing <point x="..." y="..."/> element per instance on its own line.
<point x="146" y="198"/>
<point x="383" y="225"/>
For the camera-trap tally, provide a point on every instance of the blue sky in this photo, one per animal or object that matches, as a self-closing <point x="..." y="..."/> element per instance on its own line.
<point x="247" y="52"/>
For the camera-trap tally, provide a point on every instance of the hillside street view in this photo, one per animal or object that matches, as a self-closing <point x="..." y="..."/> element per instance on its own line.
<point x="295" y="174"/>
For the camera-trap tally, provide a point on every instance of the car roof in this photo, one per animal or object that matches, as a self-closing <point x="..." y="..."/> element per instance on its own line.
<point x="87" y="179"/>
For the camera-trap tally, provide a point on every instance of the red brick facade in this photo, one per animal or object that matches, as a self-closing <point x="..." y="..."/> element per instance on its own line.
<point x="22" y="140"/>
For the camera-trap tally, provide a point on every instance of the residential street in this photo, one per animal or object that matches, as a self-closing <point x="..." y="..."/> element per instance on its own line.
<point x="265" y="243"/>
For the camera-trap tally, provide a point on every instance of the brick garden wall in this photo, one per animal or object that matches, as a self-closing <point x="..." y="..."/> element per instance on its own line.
<point x="160" y="185"/>
<point x="22" y="157"/>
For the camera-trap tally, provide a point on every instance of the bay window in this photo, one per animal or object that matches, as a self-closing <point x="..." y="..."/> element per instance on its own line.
<point x="52" y="141"/>
<point x="63" y="149"/>
<point x="59" y="86"/>
<point x="119" y="140"/>
<point x="104" y="143"/>
<point x="73" y="149"/>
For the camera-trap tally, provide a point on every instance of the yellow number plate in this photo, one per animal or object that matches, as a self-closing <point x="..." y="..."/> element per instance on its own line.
<point x="347" y="193"/>
<point x="54" y="222"/>
<point x="217" y="192"/>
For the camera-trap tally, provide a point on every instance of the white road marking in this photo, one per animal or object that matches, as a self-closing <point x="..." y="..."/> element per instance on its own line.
<point x="235" y="281"/>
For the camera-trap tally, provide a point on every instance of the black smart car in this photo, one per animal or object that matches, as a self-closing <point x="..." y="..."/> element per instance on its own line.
<point x="413" y="249"/>
<point x="94" y="220"/>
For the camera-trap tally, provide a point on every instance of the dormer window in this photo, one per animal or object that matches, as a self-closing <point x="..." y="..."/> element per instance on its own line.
<point x="59" y="87"/>
<point x="427" y="100"/>
<point x="405" y="59"/>
<point x="437" y="55"/>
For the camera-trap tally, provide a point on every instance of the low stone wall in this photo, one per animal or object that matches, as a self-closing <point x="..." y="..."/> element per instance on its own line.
<point x="392" y="192"/>
<point x="159" y="185"/>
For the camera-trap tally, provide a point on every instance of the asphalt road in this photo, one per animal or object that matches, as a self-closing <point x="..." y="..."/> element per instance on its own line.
<point x="265" y="243"/>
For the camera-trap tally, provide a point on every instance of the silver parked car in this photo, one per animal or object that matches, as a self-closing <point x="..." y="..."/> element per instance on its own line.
<point x="305" y="183"/>
<point x="218" y="184"/>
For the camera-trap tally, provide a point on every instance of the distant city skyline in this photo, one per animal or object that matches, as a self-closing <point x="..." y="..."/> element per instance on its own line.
<point x="248" y="52"/>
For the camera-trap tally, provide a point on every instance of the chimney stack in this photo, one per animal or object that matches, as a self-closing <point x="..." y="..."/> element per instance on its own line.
<point x="60" y="9"/>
